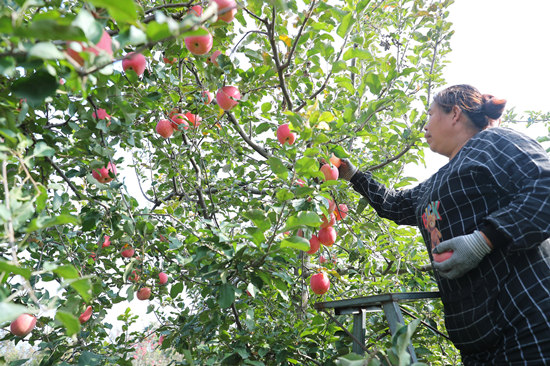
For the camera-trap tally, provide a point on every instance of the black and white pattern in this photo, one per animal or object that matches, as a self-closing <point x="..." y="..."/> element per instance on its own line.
<point x="499" y="312"/>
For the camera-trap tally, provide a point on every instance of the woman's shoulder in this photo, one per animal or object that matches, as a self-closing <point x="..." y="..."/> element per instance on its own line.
<point x="501" y="139"/>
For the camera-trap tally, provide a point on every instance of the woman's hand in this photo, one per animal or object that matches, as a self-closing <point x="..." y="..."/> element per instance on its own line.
<point x="346" y="170"/>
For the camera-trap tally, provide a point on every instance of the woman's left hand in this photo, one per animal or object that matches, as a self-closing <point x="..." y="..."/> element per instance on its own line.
<point x="468" y="251"/>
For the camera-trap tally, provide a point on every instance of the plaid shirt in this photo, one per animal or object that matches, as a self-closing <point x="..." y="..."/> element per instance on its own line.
<point x="499" y="183"/>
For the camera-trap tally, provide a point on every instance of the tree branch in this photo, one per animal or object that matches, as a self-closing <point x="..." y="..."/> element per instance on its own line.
<point x="293" y="49"/>
<point x="251" y="143"/>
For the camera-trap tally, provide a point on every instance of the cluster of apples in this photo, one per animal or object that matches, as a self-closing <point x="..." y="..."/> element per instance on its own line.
<point x="144" y="293"/>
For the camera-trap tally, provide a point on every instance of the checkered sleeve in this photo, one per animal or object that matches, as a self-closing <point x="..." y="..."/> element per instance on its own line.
<point x="398" y="206"/>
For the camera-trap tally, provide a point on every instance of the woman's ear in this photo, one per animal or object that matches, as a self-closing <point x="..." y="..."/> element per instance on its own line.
<point x="456" y="113"/>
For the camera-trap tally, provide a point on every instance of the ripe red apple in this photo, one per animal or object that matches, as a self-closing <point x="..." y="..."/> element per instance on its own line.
<point x="328" y="222"/>
<point x="85" y="316"/>
<point x="23" y="325"/>
<point x="127" y="251"/>
<point x="207" y="97"/>
<point x="163" y="278"/>
<point x="213" y="56"/>
<point x="319" y="283"/>
<point x="101" y="114"/>
<point x="331" y="205"/>
<point x="331" y="173"/>
<point x="336" y="161"/>
<point x="179" y="121"/>
<point x="314" y="245"/>
<point x="226" y="10"/>
<point x="104" y="45"/>
<point x="164" y="128"/>
<point x="228" y="97"/>
<point x="300" y="182"/>
<point x="144" y="293"/>
<point x="441" y="257"/>
<point x="135" y="61"/>
<point x="102" y="175"/>
<point x="327" y="236"/>
<point x="134" y="276"/>
<point x="322" y="259"/>
<point x="199" y="45"/>
<point x="284" y="135"/>
<point x="195" y="10"/>
<point x="106" y="241"/>
<point x="341" y="212"/>
<point x="194" y="119"/>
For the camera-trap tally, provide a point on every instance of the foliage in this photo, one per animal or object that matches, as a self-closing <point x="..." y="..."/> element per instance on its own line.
<point x="212" y="204"/>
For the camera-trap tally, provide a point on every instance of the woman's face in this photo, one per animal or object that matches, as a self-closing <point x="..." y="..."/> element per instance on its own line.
<point x="439" y="130"/>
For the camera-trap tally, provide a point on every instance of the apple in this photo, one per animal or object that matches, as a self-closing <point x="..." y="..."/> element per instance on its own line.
<point x="199" y="45"/>
<point x="93" y="256"/>
<point x="127" y="251"/>
<point x="135" y="61"/>
<point x="101" y="114"/>
<point x="226" y="10"/>
<point x="319" y="283"/>
<point x="314" y="245"/>
<point x="327" y="236"/>
<point x="194" y="119"/>
<point x="331" y="173"/>
<point x="207" y="97"/>
<point x="169" y="61"/>
<point x="164" y="128"/>
<point x="163" y="278"/>
<point x="213" y="56"/>
<point x="134" y="276"/>
<point x="441" y="257"/>
<point x="328" y="222"/>
<point x="85" y="316"/>
<point x="195" y="10"/>
<point x="336" y="161"/>
<point x="331" y="206"/>
<point x="322" y="259"/>
<point x="104" y="45"/>
<point x="284" y="135"/>
<point x="228" y="97"/>
<point x="106" y="241"/>
<point x="144" y="293"/>
<point x="23" y="325"/>
<point x="102" y="175"/>
<point x="179" y="120"/>
<point x="341" y="212"/>
<point x="300" y="182"/>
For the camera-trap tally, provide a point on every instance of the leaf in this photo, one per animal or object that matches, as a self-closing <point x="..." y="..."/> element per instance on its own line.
<point x="45" y="50"/>
<point x="303" y="218"/>
<point x="67" y="271"/>
<point x="345" y="25"/>
<point x="83" y="287"/>
<point x="124" y="11"/>
<point x="176" y="289"/>
<point x="258" y="218"/>
<point x="90" y="359"/>
<point x="9" y="311"/>
<point x="286" y="40"/>
<point x="43" y="222"/>
<point x="278" y="167"/>
<point x="284" y="194"/>
<point x="42" y="149"/>
<point x="35" y="88"/>
<point x="296" y="242"/>
<point x="226" y="295"/>
<point x="373" y="82"/>
<point x="69" y="321"/>
<point x="12" y="268"/>
<point x="92" y="29"/>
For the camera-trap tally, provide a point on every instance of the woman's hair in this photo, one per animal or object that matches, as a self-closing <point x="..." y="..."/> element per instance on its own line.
<point x="481" y="109"/>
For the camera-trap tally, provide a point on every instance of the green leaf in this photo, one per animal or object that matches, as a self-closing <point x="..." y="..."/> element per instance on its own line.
<point x="43" y="222"/>
<point x="9" y="311"/>
<point x="303" y="218"/>
<point x="123" y="11"/>
<point x="92" y="29"/>
<point x="296" y="242"/>
<point x="345" y="25"/>
<point x="12" y="268"/>
<point x="41" y="199"/>
<point x="45" y="50"/>
<point x="258" y="218"/>
<point x="35" y="88"/>
<point x="306" y="165"/>
<point x="176" y="289"/>
<point x="83" y="287"/>
<point x="69" y="321"/>
<point x="51" y="29"/>
<point x="90" y="359"/>
<point x="67" y="271"/>
<point x="373" y="82"/>
<point x="42" y="149"/>
<point x="226" y="295"/>
<point x="284" y="194"/>
<point x="278" y="167"/>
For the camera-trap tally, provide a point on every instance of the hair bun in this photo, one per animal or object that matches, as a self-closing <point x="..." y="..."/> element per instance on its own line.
<point x="493" y="107"/>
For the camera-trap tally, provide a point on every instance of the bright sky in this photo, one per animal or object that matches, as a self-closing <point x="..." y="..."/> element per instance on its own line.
<point x="501" y="48"/>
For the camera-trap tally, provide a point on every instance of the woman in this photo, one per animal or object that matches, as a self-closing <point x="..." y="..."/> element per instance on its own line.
<point x="489" y="208"/>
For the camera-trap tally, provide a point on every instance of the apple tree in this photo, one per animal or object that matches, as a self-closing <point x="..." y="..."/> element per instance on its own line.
<point x="140" y="160"/>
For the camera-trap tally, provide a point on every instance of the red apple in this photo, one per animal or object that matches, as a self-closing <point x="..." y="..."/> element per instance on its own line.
<point x="104" y="45"/>
<point x="127" y="251"/>
<point x="441" y="257"/>
<point x="328" y="222"/>
<point x="106" y="241"/>
<point x="194" y="119"/>
<point x="226" y="10"/>
<point x="135" y="61"/>
<point x="93" y="256"/>
<point x="322" y="259"/>
<point x="213" y="56"/>
<point x="85" y="316"/>
<point x="134" y="276"/>
<point x="101" y="114"/>
<point x="314" y="245"/>
<point x="300" y="182"/>
<point x="169" y="61"/>
<point x="341" y="212"/>
<point x="144" y="293"/>
<point x="319" y="283"/>
<point x="327" y="236"/>
<point x="195" y="10"/>
<point x="228" y="97"/>
<point x="284" y="135"/>
<point x="331" y="206"/>
<point x="199" y="45"/>
<point x="207" y="97"/>
<point x="163" y="278"/>
<point x="23" y="325"/>
<point x="102" y="175"/>
<point x="336" y="161"/>
<point x="164" y="128"/>
<point x="179" y="121"/>
<point x="331" y="173"/>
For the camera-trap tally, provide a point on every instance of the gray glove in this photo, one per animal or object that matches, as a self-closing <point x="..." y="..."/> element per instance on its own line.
<point x="469" y="250"/>
<point x="346" y="170"/>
